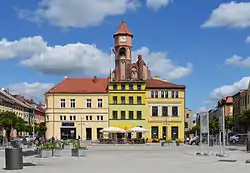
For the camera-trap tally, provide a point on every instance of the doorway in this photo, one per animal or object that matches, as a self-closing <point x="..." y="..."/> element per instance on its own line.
<point x="68" y="133"/>
<point x="88" y="133"/>
<point x="174" y="132"/>
<point x="164" y="132"/>
<point x="99" y="134"/>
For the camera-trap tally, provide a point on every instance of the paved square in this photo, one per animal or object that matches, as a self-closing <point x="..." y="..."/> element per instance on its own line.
<point x="149" y="158"/>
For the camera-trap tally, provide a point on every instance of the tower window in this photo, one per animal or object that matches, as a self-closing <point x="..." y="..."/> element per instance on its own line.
<point x="122" y="52"/>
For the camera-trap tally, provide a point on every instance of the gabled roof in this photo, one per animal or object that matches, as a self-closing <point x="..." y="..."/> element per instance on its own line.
<point x="123" y="29"/>
<point x="81" y="85"/>
<point x="159" y="84"/>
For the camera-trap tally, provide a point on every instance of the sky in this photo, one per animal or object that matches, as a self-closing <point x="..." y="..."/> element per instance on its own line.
<point x="202" y="44"/>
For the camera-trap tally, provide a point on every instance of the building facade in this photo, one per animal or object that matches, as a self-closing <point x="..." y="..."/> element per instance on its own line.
<point x="241" y="103"/>
<point x="226" y="104"/>
<point x="188" y="119"/>
<point x="77" y="107"/>
<point x="165" y="107"/>
<point x="127" y="100"/>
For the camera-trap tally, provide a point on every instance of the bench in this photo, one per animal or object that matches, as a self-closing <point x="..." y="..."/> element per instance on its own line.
<point x="26" y="153"/>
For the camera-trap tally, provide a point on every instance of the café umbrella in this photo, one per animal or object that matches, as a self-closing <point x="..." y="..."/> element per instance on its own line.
<point x="138" y="130"/>
<point x="112" y="130"/>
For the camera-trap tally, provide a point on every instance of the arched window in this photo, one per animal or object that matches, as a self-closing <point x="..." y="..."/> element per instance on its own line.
<point x="122" y="52"/>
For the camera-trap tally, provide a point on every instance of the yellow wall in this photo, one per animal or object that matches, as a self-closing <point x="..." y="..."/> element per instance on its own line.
<point x="168" y="121"/>
<point x="53" y="113"/>
<point x="127" y="123"/>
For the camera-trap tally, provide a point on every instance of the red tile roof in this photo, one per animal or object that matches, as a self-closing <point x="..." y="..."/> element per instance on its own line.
<point x="159" y="84"/>
<point x="81" y="85"/>
<point x="123" y="29"/>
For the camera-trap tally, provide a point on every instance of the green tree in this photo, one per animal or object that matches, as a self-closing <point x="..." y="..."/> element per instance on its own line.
<point x="244" y="119"/>
<point x="229" y="123"/>
<point x="41" y="129"/>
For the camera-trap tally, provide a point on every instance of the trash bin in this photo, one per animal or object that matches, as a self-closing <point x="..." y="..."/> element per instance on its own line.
<point x="162" y="143"/>
<point x="13" y="158"/>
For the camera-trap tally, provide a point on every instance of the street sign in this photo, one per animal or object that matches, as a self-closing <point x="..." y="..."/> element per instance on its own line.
<point x="204" y="124"/>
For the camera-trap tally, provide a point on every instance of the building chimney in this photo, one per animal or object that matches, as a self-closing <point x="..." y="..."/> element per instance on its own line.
<point x="94" y="79"/>
<point x="165" y="80"/>
<point x="65" y="77"/>
<point x="140" y="64"/>
<point x="157" y="77"/>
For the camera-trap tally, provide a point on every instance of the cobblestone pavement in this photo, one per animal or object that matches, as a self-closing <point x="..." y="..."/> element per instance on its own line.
<point x="137" y="159"/>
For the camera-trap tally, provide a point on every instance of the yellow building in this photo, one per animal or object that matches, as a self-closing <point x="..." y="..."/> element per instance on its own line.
<point x="127" y="104"/>
<point x="77" y="107"/>
<point x="165" y="107"/>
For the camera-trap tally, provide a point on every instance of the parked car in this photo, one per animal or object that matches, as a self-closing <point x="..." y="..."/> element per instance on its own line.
<point x="238" y="138"/>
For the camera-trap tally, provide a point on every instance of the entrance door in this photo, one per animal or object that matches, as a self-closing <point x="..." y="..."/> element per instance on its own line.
<point x="88" y="133"/>
<point x="99" y="134"/>
<point x="68" y="133"/>
<point x="174" y="132"/>
<point x="154" y="132"/>
<point x="164" y="132"/>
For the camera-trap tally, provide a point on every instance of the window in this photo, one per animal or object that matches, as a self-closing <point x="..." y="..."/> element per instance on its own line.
<point x="63" y="103"/>
<point x="123" y="86"/>
<point x="156" y="94"/>
<point x="139" y="100"/>
<point x="114" y="99"/>
<point x="176" y="94"/>
<point x="70" y="118"/>
<point x="90" y="117"/>
<point x="131" y="115"/>
<point x="101" y="118"/>
<point x="173" y="94"/>
<point x="72" y="103"/>
<point x="162" y="94"/>
<point x="187" y="115"/>
<point x="64" y="117"/>
<point x="99" y="103"/>
<point x="115" y="115"/>
<point x="154" y="132"/>
<point x="139" y="87"/>
<point x="131" y="87"/>
<point x="88" y="103"/>
<point x="174" y="111"/>
<point x="114" y="87"/>
<point x="155" y="111"/>
<point x="61" y="117"/>
<point x="74" y="117"/>
<point x="87" y="117"/>
<point x="123" y="100"/>
<point x="131" y="100"/>
<point x="138" y="114"/>
<point x="152" y="94"/>
<point x="166" y="94"/>
<point x="98" y="117"/>
<point x="164" y="111"/>
<point x="123" y="115"/>
<point x="186" y="125"/>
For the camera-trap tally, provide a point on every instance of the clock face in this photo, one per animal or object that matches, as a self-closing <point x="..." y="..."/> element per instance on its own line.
<point x="123" y="38"/>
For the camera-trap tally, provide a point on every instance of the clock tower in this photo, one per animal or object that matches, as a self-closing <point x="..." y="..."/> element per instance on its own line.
<point x="123" y="53"/>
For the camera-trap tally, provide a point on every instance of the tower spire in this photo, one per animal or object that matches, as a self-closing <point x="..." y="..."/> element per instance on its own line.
<point x="123" y="29"/>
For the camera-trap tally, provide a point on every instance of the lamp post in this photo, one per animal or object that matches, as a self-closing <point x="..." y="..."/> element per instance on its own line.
<point x="81" y="125"/>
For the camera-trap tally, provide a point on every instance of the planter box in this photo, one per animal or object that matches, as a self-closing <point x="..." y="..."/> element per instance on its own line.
<point x="67" y="147"/>
<point x="44" y="153"/>
<point x="78" y="152"/>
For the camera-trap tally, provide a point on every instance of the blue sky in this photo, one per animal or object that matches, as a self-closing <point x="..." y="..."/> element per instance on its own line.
<point x="186" y="42"/>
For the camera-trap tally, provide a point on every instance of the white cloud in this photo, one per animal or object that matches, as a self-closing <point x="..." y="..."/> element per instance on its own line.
<point x="229" y="90"/>
<point x="83" y="13"/>
<point x="247" y="39"/>
<point x="237" y="60"/>
<point x="23" y="48"/>
<point x="69" y="58"/>
<point x="233" y="14"/>
<point x="84" y="58"/>
<point x="30" y="90"/>
<point x="157" y="4"/>
<point x="160" y="64"/>
<point x="202" y="109"/>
